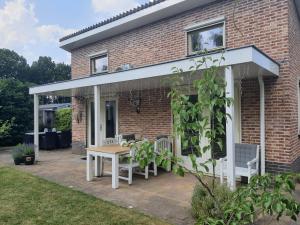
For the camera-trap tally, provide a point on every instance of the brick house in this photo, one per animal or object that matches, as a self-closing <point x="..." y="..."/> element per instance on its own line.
<point x="120" y="64"/>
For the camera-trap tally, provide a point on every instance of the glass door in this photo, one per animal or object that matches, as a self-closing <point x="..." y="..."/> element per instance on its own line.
<point x="110" y="119"/>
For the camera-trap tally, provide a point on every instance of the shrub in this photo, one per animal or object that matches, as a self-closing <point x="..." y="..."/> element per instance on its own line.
<point x="63" y="119"/>
<point x="17" y="153"/>
<point x="22" y="149"/>
<point x="15" y="107"/>
<point x="28" y="149"/>
<point x="204" y="206"/>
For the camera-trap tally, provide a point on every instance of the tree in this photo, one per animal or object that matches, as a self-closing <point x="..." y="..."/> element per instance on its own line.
<point x="62" y="72"/>
<point x="13" y="65"/>
<point x="44" y="70"/>
<point x="16" y="106"/>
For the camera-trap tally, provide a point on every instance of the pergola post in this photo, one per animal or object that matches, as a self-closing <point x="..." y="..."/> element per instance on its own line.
<point x="98" y="136"/>
<point x="230" y="145"/>
<point x="262" y="125"/>
<point x="36" y="126"/>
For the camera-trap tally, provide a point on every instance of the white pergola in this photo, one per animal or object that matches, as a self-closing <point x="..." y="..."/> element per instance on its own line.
<point x="248" y="62"/>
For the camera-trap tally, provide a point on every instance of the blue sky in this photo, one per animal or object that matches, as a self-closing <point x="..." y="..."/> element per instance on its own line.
<point x="32" y="27"/>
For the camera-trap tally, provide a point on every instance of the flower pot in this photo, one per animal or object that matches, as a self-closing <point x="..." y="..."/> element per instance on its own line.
<point x="29" y="159"/>
<point x="18" y="161"/>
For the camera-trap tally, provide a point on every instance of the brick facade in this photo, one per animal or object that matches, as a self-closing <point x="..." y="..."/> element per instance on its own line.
<point x="154" y="118"/>
<point x="270" y="25"/>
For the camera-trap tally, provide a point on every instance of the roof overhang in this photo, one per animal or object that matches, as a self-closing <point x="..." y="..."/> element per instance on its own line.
<point x="146" y="16"/>
<point x="247" y="62"/>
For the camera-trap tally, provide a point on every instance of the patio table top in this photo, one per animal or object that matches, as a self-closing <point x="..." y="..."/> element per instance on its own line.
<point x="110" y="149"/>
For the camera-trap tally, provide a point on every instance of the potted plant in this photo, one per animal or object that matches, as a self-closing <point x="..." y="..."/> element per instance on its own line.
<point x="28" y="154"/>
<point x="17" y="155"/>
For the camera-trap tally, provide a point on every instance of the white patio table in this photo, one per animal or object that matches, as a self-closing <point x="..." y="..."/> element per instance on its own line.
<point x="107" y="151"/>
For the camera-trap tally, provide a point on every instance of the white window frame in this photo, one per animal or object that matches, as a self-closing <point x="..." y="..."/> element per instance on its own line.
<point x="204" y="25"/>
<point x="102" y="117"/>
<point x="96" y="55"/>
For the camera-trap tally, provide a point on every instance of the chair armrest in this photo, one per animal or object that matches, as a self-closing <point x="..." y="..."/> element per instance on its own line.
<point x="253" y="161"/>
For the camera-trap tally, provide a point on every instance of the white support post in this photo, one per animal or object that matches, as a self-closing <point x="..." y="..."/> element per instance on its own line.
<point x="98" y="136"/>
<point x="115" y="171"/>
<point x="89" y="170"/>
<point x="230" y="145"/>
<point x="262" y="125"/>
<point x="36" y="126"/>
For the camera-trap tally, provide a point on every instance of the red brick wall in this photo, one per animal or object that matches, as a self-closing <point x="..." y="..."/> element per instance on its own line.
<point x="294" y="59"/>
<point x="263" y="23"/>
<point x="154" y="118"/>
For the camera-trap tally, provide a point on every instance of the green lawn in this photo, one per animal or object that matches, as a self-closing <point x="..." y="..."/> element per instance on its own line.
<point x="28" y="200"/>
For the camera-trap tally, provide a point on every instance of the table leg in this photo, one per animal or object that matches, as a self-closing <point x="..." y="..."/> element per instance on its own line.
<point x="115" y="171"/>
<point x="97" y="166"/>
<point x="89" y="170"/>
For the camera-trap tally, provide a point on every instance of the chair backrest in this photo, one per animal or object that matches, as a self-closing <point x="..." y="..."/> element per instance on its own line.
<point x="53" y="129"/>
<point x="119" y="138"/>
<point x="245" y="153"/>
<point x="162" y="144"/>
<point x="128" y="137"/>
<point x="46" y="130"/>
<point x="110" y="141"/>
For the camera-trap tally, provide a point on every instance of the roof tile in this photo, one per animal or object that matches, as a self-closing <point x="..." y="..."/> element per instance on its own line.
<point x="112" y="19"/>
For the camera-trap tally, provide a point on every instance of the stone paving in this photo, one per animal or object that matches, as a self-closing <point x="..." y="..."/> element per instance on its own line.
<point x="166" y="196"/>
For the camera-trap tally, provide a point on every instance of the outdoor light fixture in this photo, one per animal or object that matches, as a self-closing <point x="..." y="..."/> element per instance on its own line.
<point x="78" y="114"/>
<point x="135" y="101"/>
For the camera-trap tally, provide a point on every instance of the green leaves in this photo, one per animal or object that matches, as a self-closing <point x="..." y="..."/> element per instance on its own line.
<point x="144" y="152"/>
<point x="63" y="119"/>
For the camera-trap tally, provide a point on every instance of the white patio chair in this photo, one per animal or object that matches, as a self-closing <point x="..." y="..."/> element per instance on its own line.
<point x="246" y="161"/>
<point x="132" y="166"/>
<point x="160" y="145"/>
<point x="110" y="141"/>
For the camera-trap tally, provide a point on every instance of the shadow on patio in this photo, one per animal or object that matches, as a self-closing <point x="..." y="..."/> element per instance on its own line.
<point x="166" y="196"/>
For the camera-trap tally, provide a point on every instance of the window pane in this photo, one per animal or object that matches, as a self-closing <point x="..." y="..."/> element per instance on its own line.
<point x="100" y="64"/>
<point x="206" y="38"/>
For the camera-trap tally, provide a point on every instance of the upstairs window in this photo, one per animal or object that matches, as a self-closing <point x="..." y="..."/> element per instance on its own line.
<point x="99" y="64"/>
<point x="206" y="38"/>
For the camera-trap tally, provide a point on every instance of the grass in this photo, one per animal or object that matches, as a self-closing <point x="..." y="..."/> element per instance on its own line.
<point x="28" y="200"/>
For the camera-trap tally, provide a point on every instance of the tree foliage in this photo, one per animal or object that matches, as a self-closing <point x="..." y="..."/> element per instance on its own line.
<point x="63" y="119"/>
<point x="13" y="65"/>
<point x="16" y="106"/>
<point x="44" y="70"/>
<point x="16" y="76"/>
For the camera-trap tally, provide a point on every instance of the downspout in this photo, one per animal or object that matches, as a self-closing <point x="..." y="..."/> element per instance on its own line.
<point x="262" y="125"/>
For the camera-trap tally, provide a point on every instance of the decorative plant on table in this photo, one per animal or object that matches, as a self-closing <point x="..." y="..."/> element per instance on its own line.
<point x="203" y="122"/>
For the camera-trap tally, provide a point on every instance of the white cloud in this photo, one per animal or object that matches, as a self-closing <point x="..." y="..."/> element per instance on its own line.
<point x="52" y="33"/>
<point x="111" y="7"/>
<point x="20" y="30"/>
